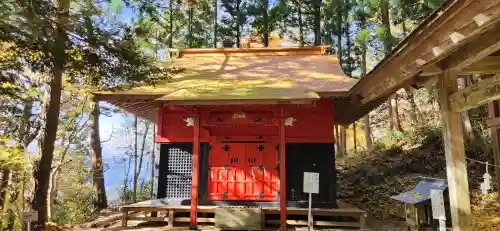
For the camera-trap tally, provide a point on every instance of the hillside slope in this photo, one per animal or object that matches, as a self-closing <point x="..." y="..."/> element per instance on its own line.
<point x="371" y="178"/>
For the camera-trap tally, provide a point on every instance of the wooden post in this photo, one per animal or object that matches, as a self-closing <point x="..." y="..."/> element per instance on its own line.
<point x="195" y="176"/>
<point x="456" y="165"/>
<point x="170" y="220"/>
<point x="124" y="217"/>
<point x="494" y="115"/>
<point x="282" y="172"/>
<point x="343" y="144"/>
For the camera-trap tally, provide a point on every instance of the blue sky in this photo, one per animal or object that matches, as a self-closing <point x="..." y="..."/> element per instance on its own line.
<point x="115" y="169"/>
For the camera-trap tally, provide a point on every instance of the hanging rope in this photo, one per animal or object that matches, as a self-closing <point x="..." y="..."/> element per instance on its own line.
<point x="481" y="162"/>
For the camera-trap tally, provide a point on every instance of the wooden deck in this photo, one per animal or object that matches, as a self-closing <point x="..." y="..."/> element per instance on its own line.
<point x="346" y="215"/>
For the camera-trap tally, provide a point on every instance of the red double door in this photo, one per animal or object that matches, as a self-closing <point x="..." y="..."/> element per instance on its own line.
<point x="243" y="171"/>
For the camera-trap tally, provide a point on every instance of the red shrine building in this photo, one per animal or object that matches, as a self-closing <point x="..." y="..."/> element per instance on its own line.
<point x="241" y="126"/>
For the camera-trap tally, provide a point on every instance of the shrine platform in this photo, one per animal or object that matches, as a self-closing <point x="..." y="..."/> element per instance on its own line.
<point x="176" y="213"/>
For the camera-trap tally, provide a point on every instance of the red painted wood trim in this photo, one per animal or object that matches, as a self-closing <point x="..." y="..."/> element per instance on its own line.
<point x="195" y="177"/>
<point x="242" y="138"/>
<point x="282" y="171"/>
<point x="179" y="139"/>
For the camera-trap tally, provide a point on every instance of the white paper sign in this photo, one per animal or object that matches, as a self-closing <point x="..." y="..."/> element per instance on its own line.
<point x="437" y="201"/>
<point x="311" y="182"/>
<point x="442" y="225"/>
<point x="30" y="216"/>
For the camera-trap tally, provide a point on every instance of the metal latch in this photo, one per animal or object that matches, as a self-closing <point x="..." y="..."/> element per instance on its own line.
<point x="260" y="195"/>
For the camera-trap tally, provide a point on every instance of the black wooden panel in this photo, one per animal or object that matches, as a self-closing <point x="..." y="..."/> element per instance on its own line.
<point x="311" y="157"/>
<point x="174" y="180"/>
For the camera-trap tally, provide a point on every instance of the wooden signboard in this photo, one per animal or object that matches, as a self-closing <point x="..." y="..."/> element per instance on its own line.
<point x="311" y="182"/>
<point x="311" y="185"/>
<point x="30" y="216"/>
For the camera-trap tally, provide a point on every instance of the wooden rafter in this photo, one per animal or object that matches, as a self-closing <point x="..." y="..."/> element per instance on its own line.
<point x="436" y="43"/>
<point x="480" y="93"/>
<point x="482" y="46"/>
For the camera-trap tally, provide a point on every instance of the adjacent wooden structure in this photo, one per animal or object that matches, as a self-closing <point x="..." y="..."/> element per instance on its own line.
<point x="462" y="37"/>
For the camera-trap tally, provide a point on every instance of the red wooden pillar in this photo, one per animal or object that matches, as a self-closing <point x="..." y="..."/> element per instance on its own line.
<point x="282" y="172"/>
<point x="195" y="173"/>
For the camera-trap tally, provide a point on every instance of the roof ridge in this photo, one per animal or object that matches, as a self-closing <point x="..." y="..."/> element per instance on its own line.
<point x="312" y="50"/>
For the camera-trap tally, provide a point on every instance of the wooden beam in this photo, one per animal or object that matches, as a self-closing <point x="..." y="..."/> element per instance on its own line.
<point x="431" y="45"/>
<point x="477" y="49"/>
<point x="456" y="165"/>
<point x="431" y="70"/>
<point x="475" y="95"/>
<point x="488" y="65"/>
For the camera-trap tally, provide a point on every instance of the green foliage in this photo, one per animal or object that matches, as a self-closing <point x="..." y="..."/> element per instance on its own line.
<point x="363" y="37"/>
<point x="75" y="206"/>
<point x="95" y="55"/>
<point x="143" y="193"/>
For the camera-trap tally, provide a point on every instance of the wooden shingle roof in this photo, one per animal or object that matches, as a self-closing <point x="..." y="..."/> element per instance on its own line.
<point x="236" y="74"/>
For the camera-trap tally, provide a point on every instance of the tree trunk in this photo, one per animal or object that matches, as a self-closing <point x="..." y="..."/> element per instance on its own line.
<point x="126" y="196"/>
<point x="337" y="139"/>
<point x="395" y="123"/>
<point x="387" y="40"/>
<point x="50" y="111"/>
<point x="355" y="145"/>
<point x="51" y="195"/>
<point x="190" y="26"/>
<point x="339" y="30"/>
<point x="469" y="131"/>
<point x="4" y="186"/>
<point x="97" y="163"/>
<point x="386" y="24"/>
<point x="216" y="8"/>
<point x="366" y="118"/>
<point x="171" y="23"/>
<point x="317" y="22"/>
<point x="414" y="111"/>
<point x="301" y="27"/>
<point x="137" y="170"/>
<point x="368" y="134"/>
<point x="265" y="7"/>
<point x="238" y="23"/>
<point x="134" y="189"/>
<point x="16" y="180"/>
<point x="348" y="48"/>
<point x="467" y="125"/>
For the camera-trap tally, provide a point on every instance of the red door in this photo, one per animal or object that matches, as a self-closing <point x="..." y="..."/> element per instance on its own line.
<point x="225" y="160"/>
<point x="243" y="171"/>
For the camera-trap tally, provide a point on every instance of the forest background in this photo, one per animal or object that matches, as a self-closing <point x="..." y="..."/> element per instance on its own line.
<point x="69" y="157"/>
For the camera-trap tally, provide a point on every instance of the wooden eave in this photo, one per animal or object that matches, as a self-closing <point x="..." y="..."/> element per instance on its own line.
<point x="462" y="36"/>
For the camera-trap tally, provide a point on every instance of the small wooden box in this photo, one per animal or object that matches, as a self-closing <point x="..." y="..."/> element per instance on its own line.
<point x="236" y="218"/>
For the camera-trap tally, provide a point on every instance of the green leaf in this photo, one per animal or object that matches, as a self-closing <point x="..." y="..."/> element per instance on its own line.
<point x="115" y="6"/>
